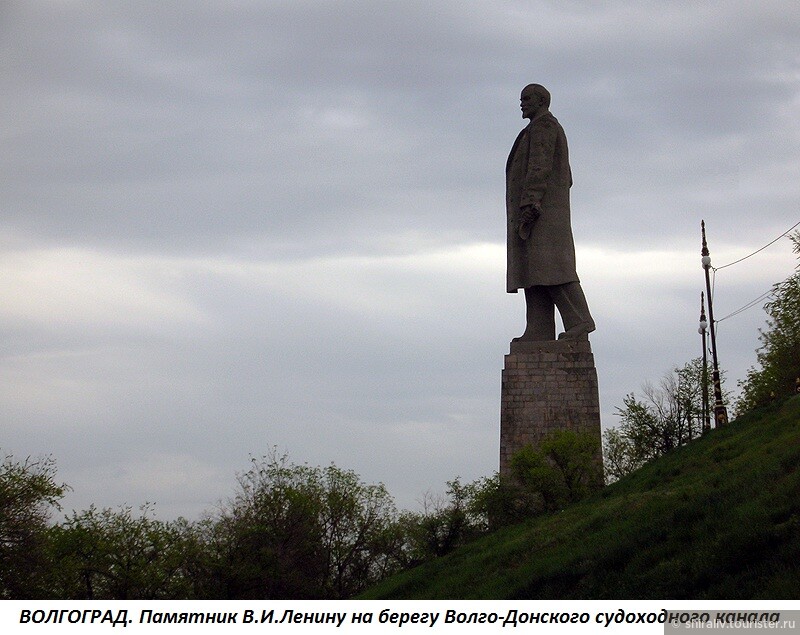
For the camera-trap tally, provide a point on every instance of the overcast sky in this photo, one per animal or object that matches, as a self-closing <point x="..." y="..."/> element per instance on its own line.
<point x="228" y="226"/>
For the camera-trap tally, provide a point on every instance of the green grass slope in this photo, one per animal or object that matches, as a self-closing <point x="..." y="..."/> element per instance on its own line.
<point x="719" y="518"/>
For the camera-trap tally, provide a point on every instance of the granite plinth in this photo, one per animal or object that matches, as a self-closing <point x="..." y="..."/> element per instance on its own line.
<point x="547" y="386"/>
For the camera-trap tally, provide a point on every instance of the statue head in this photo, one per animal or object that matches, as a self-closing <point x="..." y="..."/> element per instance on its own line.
<point x="534" y="97"/>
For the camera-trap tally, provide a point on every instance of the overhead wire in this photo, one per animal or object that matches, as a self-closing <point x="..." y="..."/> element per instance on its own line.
<point x="764" y="295"/>
<point x="772" y="242"/>
<point x="749" y="305"/>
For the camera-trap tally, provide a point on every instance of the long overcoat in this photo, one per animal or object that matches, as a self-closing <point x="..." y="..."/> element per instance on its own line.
<point x="538" y="171"/>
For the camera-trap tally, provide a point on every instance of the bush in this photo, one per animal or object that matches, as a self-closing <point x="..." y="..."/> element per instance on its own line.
<point x="447" y="522"/>
<point x="563" y="469"/>
<point x="301" y="532"/>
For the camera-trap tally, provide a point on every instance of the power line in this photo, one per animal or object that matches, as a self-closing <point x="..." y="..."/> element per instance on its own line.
<point x="753" y="303"/>
<point x="749" y="305"/>
<point x="735" y="262"/>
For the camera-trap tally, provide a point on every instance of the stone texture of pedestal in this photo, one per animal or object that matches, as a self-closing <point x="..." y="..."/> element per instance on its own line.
<point x="547" y="386"/>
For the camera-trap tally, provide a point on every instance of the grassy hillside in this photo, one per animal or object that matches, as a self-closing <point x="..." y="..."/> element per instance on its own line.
<point x="719" y="518"/>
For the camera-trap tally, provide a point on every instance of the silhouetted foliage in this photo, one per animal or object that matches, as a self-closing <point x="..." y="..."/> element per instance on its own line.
<point x="115" y="554"/>
<point x="563" y="469"/>
<point x="779" y="354"/>
<point x="296" y="531"/>
<point x="28" y="492"/>
<point x="289" y="532"/>
<point x="445" y="522"/>
<point x="665" y="417"/>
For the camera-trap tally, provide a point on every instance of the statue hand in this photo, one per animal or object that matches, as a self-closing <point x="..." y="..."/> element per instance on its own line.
<point x="529" y="213"/>
<point x="527" y="217"/>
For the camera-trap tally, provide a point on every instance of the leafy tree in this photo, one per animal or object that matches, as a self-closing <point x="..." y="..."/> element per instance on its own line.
<point x="564" y="468"/>
<point x="620" y="455"/>
<point x="577" y="460"/>
<point x="497" y="502"/>
<point x="357" y="540"/>
<point x="28" y="492"/>
<point x="296" y="531"/>
<point x="779" y="355"/>
<point x="115" y="554"/>
<point x="666" y="416"/>
<point x="446" y="522"/>
<point x="270" y="536"/>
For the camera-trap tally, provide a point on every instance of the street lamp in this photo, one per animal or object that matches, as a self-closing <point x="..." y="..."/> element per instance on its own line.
<point x="706" y="424"/>
<point x="720" y="413"/>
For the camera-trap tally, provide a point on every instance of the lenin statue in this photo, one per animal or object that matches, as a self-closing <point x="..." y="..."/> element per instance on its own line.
<point x="541" y="252"/>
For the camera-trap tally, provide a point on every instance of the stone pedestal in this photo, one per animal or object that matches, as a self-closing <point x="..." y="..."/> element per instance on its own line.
<point x="547" y="386"/>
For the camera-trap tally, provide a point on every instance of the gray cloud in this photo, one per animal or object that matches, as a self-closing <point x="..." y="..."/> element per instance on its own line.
<point x="232" y="225"/>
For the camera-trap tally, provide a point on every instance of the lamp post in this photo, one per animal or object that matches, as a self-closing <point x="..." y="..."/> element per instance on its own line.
<point x="706" y="424"/>
<point x="720" y="413"/>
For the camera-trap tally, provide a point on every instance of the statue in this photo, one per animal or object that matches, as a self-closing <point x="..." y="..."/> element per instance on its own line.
<point x="541" y="252"/>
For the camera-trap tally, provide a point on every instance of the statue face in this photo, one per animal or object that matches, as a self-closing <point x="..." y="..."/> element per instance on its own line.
<point x="529" y="103"/>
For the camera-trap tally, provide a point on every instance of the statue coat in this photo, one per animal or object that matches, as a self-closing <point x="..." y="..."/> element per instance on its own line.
<point x="538" y="171"/>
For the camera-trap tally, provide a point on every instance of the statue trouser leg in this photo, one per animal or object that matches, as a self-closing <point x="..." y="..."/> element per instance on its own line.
<point x="539" y="315"/>
<point x="574" y="310"/>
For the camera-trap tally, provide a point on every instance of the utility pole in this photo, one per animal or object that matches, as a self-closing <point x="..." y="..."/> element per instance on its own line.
<point x="706" y="423"/>
<point x="720" y="413"/>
